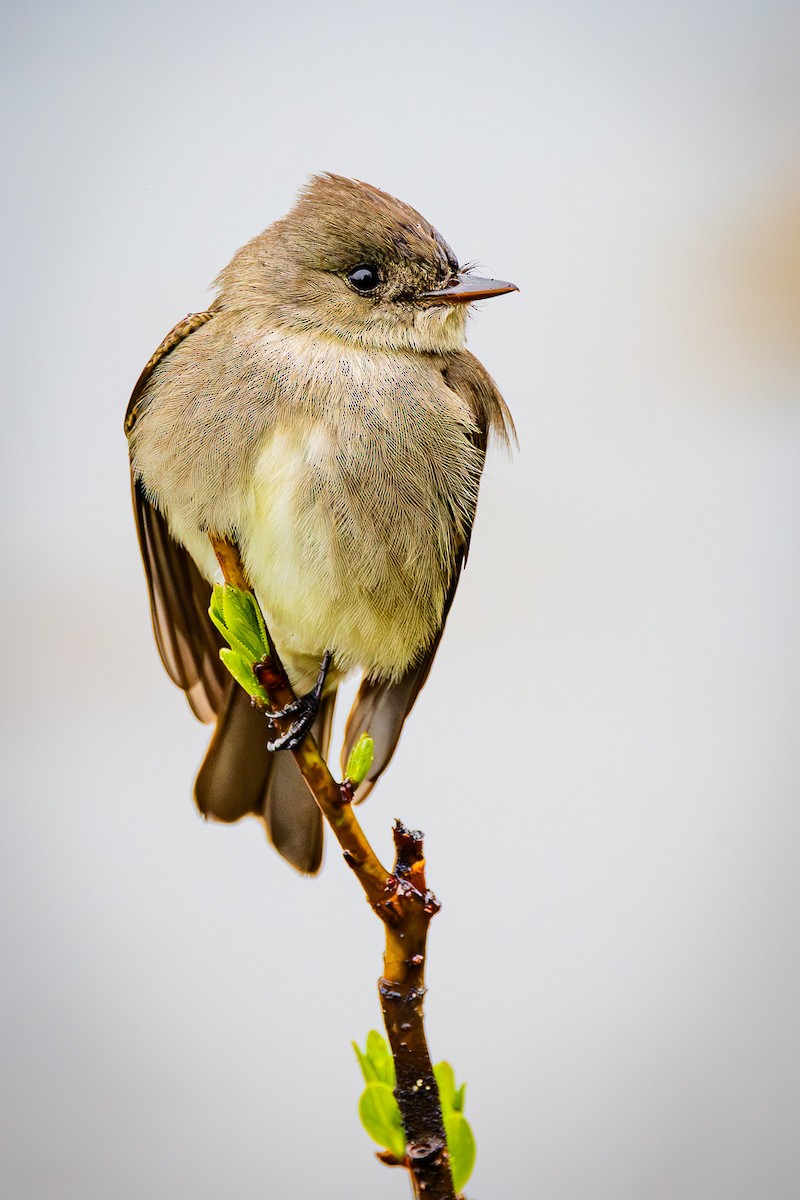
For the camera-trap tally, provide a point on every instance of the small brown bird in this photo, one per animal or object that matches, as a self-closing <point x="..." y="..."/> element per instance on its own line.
<point x="324" y="416"/>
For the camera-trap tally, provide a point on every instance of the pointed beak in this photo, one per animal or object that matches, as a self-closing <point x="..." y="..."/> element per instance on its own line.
<point x="466" y="288"/>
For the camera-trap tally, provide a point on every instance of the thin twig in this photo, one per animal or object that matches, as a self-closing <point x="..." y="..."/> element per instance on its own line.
<point x="405" y="906"/>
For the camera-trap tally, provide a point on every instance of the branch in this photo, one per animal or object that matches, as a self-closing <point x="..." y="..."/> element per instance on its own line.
<point x="405" y="906"/>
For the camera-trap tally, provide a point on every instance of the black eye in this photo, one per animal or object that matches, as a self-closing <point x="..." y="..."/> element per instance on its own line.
<point x="364" y="278"/>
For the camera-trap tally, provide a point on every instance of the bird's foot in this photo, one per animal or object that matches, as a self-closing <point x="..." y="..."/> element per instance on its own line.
<point x="303" y="710"/>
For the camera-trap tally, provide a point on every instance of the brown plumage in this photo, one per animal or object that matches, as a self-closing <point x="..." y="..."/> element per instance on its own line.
<point x="324" y="415"/>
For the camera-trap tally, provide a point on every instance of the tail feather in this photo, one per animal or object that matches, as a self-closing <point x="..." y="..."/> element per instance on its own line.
<point x="239" y="776"/>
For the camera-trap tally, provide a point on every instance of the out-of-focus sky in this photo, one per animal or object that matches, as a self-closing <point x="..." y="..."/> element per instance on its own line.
<point x="606" y="760"/>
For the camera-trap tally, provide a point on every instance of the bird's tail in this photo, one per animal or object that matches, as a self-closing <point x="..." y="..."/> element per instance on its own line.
<point x="240" y="776"/>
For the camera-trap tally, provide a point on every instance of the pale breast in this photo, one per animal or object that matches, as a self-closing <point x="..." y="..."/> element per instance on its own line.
<point x="362" y="499"/>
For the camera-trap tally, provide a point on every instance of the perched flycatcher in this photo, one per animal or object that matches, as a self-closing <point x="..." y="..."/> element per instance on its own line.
<point x="325" y="417"/>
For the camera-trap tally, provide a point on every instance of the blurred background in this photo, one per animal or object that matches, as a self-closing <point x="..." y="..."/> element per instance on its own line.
<point x="614" y="835"/>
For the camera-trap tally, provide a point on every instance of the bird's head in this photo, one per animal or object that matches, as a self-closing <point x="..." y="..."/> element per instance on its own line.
<point x="353" y="262"/>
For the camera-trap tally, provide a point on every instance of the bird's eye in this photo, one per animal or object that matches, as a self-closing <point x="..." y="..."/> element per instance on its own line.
<point x="364" y="278"/>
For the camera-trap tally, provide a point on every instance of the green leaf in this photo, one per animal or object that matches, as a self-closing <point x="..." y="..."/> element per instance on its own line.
<point x="242" y="629"/>
<point x="380" y="1116"/>
<point x="232" y="604"/>
<point x="262" y="629"/>
<point x="360" y="760"/>
<point x="376" y="1062"/>
<point x="219" y="615"/>
<point x="367" y="1069"/>
<point x="380" y="1057"/>
<point x="461" y="1144"/>
<point x="446" y="1082"/>
<point x="242" y="672"/>
<point x="215" y="608"/>
<point x="216" y="614"/>
<point x="458" y="1098"/>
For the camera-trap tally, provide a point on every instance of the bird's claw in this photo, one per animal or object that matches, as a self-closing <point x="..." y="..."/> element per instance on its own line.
<point x="304" y="709"/>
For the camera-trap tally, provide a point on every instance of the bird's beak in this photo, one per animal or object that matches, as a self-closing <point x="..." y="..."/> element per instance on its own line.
<point x="465" y="288"/>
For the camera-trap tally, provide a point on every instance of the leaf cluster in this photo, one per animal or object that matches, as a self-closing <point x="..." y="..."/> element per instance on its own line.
<point x="237" y="616"/>
<point x="380" y="1113"/>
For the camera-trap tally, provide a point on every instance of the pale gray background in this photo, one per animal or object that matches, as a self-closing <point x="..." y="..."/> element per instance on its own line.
<point x="605" y="760"/>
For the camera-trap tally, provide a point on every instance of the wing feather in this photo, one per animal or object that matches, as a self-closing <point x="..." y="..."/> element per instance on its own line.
<point x="187" y="640"/>
<point x="381" y="708"/>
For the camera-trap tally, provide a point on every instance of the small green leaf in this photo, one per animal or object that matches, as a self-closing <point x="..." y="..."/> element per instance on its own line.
<point x="219" y="615"/>
<point x="262" y="629"/>
<point x="232" y="604"/>
<point x="446" y="1082"/>
<point x="461" y="1144"/>
<point x="380" y="1116"/>
<point x="242" y="672"/>
<point x="215" y="608"/>
<point x="380" y="1057"/>
<point x="360" y="760"/>
<point x="215" y="612"/>
<point x="458" y="1098"/>
<point x="242" y="629"/>
<point x="367" y="1069"/>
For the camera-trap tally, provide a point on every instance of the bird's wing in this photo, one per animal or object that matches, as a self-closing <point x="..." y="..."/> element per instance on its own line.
<point x="187" y="641"/>
<point x="380" y="709"/>
<point x="239" y="776"/>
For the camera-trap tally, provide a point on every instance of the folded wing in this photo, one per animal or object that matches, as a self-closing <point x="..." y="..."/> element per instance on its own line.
<point x="238" y="775"/>
<point x="380" y="709"/>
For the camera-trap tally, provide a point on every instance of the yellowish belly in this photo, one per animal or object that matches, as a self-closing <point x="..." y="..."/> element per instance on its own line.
<point x="344" y="560"/>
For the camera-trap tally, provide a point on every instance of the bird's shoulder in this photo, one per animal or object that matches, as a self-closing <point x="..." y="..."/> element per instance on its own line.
<point x="188" y="325"/>
<point x="465" y="375"/>
<point x="218" y="353"/>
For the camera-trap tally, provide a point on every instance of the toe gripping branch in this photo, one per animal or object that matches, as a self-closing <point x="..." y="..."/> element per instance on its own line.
<point x="302" y="712"/>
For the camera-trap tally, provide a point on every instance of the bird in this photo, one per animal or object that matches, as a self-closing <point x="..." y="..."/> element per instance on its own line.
<point x="324" y="415"/>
